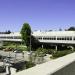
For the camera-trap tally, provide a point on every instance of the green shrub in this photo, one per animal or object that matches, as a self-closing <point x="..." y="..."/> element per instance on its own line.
<point x="29" y="64"/>
<point x="43" y="52"/>
<point x="61" y="53"/>
<point x="22" y="48"/>
<point x="23" y="65"/>
<point x="40" y="52"/>
<point x="1" y="48"/>
<point x="49" y="51"/>
<point x="13" y="47"/>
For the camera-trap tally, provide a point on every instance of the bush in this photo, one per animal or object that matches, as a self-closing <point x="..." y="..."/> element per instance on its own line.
<point x="23" y="65"/>
<point x="43" y="52"/>
<point x="61" y="53"/>
<point x="49" y="51"/>
<point x="40" y="52"/>
<point x="13" y="47"/>
<point x="22" y="48"/>
<point x="1" y="48"/>
<point x="29" y="64"/>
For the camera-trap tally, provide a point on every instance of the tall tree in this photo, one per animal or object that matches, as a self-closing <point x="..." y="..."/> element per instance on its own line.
<point x="26" y="34"/>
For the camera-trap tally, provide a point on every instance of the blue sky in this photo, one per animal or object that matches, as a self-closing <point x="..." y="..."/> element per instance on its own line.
<point x="40" y="14"/>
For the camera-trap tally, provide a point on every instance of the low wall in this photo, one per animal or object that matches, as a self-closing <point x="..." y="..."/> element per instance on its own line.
<point x="62" y="66"/>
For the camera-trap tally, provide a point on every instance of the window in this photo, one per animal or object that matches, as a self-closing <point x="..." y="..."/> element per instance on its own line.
<point x="70" y="38"/>
<point x="59" y="38"/>
<point x="39" y="38"/>
<point x="49" y="38"/>
<point x="17" y="37"/>
<point x="74" y="38"/>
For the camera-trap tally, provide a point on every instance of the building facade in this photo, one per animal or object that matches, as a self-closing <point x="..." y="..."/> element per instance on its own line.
<point x="51" y="37"/>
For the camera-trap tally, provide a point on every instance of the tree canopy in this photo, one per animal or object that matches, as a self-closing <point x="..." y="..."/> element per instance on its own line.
<point x="26" y="33"/>
<point x="71" y="29"/>
<point x="26" y="37"/>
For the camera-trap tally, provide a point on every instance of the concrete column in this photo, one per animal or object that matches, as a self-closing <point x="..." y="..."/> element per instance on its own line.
<point x="72" y="48"/>
<point x="42" y="38"/>
<point x="8" y="72"/>
<point x="42" y="45"/>
<point x="56" y="47"/>
<point x="56" y="37"/>
<point x="72" y="38"/>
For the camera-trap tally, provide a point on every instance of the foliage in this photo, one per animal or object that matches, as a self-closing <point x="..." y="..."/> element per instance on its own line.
<point x="26" y="37"/>
<point x="13" y="47"/>
<point x="40" y="52"/>
<point x="23" y="65"/>
<point x="8" y="32"/>
<point x="43" y="51"/>
<point x="71" y="29"/>
<point x="29" y="64"/>
<point x="34" y="43"/>
<point x="50" y="51"/>
<point x="26" y="33"/>
<point x="61" y="53"/>
<point x="22" y="48"/>
<point x="8" y="43"/>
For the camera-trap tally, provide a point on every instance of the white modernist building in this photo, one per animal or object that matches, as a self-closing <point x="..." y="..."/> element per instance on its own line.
<point x="54" y="37"/>
<point x="66" y="37"/>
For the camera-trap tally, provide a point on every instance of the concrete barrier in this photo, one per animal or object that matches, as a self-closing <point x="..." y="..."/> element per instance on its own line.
<point x="62" y="66"/>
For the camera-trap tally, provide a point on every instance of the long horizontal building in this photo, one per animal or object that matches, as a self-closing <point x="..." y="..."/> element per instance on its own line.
<point x="54" y="37"/>
<point x="67" y="37"/>
<point x="46" y="37"/>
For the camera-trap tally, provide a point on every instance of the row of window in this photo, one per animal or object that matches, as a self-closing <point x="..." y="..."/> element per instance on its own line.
<point x="40" y="38"/>
<point x="15" y="37"/>
<point x="54" y="38"/>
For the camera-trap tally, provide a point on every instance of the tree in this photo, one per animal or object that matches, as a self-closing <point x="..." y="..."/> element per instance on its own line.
<point x="60" y="29"/>
<point x="26" y="34"/>
<point x="71" y="29"/>
<point x="8" y="31"/>
<point x="39" y="55"/>
<point x="34" y="43"/>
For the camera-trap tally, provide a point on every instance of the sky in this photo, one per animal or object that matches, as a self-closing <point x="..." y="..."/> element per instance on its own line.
<point x="40" y="14"/>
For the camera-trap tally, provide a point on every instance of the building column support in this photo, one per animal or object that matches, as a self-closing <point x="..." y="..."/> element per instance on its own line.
<point x="42" y="45"/>
<point x="72" y="48"/>
<point x="56" y="47"/>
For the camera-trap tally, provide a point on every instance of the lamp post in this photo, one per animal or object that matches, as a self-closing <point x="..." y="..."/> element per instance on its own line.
<point x="30" y="48"/>
<point x="30" y="42"/>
